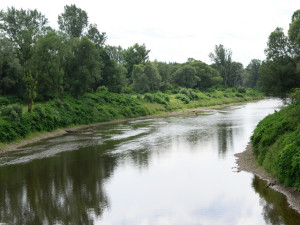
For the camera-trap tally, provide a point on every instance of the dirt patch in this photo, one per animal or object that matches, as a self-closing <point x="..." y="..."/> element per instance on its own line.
<point x="246" y="162"/>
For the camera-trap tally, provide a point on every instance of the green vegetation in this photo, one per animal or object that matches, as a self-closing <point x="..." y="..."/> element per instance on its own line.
<point x="276" y="142"/>
<point x="70" y="76"/>
<point x="280" y="73"/>
<point x="17" y="123"/>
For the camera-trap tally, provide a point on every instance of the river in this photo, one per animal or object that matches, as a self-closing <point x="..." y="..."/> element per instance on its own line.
<point x="169" y="170"/>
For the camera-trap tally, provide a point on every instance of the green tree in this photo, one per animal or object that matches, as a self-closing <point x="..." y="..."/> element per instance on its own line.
<point x="30" y="82"/>
<point x="164" y="71"/>
<point x="95" y="36"/>
<point x="113" y="74"/>
<point x="139" y="79"/>
<point x="49" y="56"/>
<point x="115" y="52"/>
<point x="222" y="59"/>
<point x="252" y="73"/>
<point x="277" y="77"/>
<point x="83" y="67"/>
<point x="10" y="68"/>
<point x="146" y="78"/>
<point x="23" y="27"/>
<point x="73" y="21"/>
<point x="208" y="77"/>
<point x="236" y="74"/>
<point x="281" y="71"/>
<point x="185" y="76"/>
<point x="135" y="55"/>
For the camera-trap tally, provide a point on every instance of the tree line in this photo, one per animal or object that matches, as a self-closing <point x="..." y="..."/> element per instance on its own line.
<point x="39" y="62"/>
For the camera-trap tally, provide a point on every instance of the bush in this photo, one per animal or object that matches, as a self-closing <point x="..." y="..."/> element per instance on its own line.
<point x="185" y="99"/>
<point x="158" y="97"/>
<point x="14" y="112"/>
<point x="241" y="90"/>
<point x="189" y="93"/>
<point x="3" y="101"/>
<point x="295" y="95"/>
<point x="101" y="88"/>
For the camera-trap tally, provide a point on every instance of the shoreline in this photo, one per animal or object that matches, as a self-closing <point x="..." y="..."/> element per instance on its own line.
<point x="17" y="146"/>
<point x="246" y="162"/>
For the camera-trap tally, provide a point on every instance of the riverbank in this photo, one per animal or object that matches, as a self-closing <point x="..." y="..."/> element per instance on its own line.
<point x="16" y="124"/>
<point x="16" y="146"/>
<point x="246" y="162"/>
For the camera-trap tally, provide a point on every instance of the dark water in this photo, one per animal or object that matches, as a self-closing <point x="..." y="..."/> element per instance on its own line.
<point x="176" y="170"/>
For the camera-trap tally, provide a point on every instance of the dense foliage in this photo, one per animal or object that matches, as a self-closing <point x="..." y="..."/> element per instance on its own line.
<point x="280" y="73"/>
<point x="276" y="144"/>
<point x="89" y="108"/>
<point x="276" y="140"/>
<point x="38" y="63"/>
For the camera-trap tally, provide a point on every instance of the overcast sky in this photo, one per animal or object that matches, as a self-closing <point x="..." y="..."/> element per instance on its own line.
<point x="176" y="30"/>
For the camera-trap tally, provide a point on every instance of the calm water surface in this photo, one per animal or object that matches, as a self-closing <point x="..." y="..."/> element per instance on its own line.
<point x="175" y="170"/>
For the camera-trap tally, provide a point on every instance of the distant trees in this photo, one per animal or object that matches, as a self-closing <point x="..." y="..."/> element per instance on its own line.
<point x="40" y="63"/>
<point x="252" y="73"/>
<point x="146" y="78"/>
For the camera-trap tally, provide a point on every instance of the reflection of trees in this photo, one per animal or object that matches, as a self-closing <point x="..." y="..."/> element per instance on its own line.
<point x="225" y="137"/>
<point x="64" y="189"/>
<point x="275" y="207"/>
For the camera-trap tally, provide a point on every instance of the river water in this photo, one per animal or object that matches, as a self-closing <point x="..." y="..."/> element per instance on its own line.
<point x="171" y="170"/>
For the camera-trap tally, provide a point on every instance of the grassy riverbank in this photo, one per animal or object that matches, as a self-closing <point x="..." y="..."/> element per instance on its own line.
<point x="276" y="145"/>
<point x="16" y="123"/>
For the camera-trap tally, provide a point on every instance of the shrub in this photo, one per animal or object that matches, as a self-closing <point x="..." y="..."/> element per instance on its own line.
<point x="14" y="112"/>
<point x="185" y="99"/>
<point x="101" y="88"/>
<point x="241" y="90"/>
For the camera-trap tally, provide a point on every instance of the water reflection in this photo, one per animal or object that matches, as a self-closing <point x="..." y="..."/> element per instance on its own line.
<point x="275" y="206"/>
<point x="60" y="190"/>
<point x="174" y="170"/>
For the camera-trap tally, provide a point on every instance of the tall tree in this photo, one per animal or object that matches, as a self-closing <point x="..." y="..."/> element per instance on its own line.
<point x="49" y="57"/>
<point x="280" y="72"/>
<point x="134" y="55"/>
<point x="30" y="81"/>
<point x="83" y="67"/>
<point x="113" y="74"/>
<point x="164" y="71"/>
<point x="115" y="52"/>
<point x="146" y="77"/>
<point x="23" y="27"/>
<point x="10" y="68"/>
<point x="73" y="21"/>
<point x="222" y="59"/>
<point x="95" y="36"/>
<point x="252" y="73"/>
